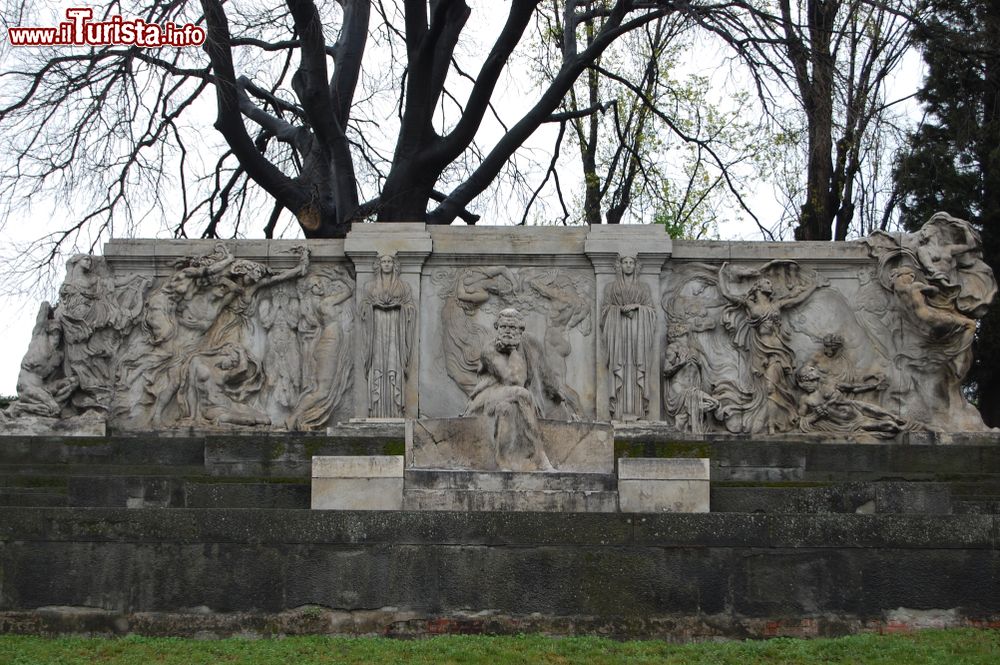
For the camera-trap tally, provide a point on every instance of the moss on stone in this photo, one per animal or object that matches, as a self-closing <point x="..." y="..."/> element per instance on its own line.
<point x="276" y="450"/>
<point x="84" y="441"/>
<point x="394" y="448"/>
<point x="313" y="446"/>
<point x="245" y="480"/>
<point x="39" y="481"/>
<point x="672" y="449"/>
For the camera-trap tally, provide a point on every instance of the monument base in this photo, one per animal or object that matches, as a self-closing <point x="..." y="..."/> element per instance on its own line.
<point x="86" y="424"/>
<point x="467" y="444"/>
<point x="509" y="491"/>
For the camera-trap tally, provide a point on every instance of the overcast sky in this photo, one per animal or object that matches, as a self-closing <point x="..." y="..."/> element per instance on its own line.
<point x="18" y="310"/>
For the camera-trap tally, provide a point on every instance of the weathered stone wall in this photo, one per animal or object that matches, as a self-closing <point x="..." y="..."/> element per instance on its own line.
<point x="182" y="572"/>
<point x="867" y="339"/>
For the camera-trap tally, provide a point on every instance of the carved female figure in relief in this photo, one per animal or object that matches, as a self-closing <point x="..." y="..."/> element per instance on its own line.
<point x="325" y="327"/>
<point x="823" y="407"/>
<point x="627" y="324"/>
<point x="217" y="387"/>
<point x="388" y="316"/>
<point x="95" y="314"/>
<point x="759" y="330"/>
<point x="685" y="400"/>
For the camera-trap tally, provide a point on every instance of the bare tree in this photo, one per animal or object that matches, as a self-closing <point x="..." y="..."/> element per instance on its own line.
<point x="650" y="143"/>
<point x="834" y="57"/>
<point x="300" y="91"/>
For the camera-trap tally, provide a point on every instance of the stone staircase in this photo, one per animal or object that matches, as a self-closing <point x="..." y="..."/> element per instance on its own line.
<point x="273" y="472"/>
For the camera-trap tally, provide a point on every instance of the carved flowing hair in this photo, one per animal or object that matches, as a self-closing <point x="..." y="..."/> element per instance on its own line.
<point x="388" y="289"/>
<point x="510" y="313"/>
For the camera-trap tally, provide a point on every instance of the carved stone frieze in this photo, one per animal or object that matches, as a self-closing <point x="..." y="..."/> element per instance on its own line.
<point x="473" y="295"/>
<point x="857" y="340"/>
<point x="930" y="287"/>
<point x="325" y="328"/>
<point x="512" y="372"/>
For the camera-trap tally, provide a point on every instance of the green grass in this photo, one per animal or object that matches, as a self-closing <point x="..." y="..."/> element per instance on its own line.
<point x="948" y="647"/>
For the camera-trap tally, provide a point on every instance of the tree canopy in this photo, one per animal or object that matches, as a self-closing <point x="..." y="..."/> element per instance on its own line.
<point x="952" y="160"/>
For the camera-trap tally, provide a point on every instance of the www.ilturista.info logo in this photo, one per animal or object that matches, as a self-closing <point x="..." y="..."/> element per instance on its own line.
<point x="81" y="30"/>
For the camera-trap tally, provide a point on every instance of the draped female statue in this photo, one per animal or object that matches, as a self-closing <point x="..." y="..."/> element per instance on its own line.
<point x="627" y="323"/>
<point x="388" y="317"/>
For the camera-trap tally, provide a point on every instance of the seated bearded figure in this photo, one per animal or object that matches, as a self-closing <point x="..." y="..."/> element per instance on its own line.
<point x="509" y="370"/>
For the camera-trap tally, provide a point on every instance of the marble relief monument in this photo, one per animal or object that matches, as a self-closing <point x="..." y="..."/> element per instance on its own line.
<point x="519" y="330"/>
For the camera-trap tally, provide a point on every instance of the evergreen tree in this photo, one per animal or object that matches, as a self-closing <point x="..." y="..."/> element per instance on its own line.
<point x="953" y="158"/>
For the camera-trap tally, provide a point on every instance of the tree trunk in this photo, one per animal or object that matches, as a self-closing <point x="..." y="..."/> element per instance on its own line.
<point x="817" y="212"/>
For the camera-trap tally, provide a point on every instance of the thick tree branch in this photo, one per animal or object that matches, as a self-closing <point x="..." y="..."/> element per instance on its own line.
<point x="489" y="168"/>
<point x="229" y="121"/>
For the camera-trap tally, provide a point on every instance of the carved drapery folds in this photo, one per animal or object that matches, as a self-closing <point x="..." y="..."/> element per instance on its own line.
<point x="220" y="341"/>
<point x="936" y="285"/>
<point x="511" y="371"/>
<point x="627" y="326"/>
<point x="857" y="340"/>
<point x="748" y="351"/>
<point x="325" y="327"/>
<point x="388" y="317"/>
<point x="475" y="294"/>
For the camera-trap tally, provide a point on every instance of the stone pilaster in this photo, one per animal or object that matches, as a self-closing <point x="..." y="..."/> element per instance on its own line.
<point x="411" y="244"/>
<point x="651" y="245"/>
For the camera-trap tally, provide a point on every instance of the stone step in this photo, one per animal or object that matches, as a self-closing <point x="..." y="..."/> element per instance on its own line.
<point x="440" y="489"/>
<point x="74" y="469"/>
<point x="856" y="497"/>
<point x="964" y="489"/>
<point x="977" y="507"/>
<point x="511" y="500"/>
<point x="101" y="450"/>
<point x="246" y="495"/>
<point x="172" y="492"/>
<point x="493" y="481"/>
<point x="32" y="497"/>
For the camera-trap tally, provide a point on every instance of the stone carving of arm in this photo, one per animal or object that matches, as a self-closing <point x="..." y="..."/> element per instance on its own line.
<point x="800" y="296"/>
<point x="723" y="286"/>
<point x="551" y="386"/>
<point x="298" y="270"/>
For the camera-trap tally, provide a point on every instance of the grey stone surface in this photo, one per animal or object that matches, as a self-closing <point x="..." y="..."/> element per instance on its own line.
<point x="360" y="466"/>
<point x="663" y="485"/>
<point x="663" y="496"/>
<point x="630" y="573"/>
<point x="464" y="443"/>
<point x="663" y="469"/>
<point x="88" y="424"/>
<point x="357" y="483"/>
<point x="357" y="494"/>
<point x="509" y="491"/>
<point x="927" y="498"/>
<point x="749" y="339"/>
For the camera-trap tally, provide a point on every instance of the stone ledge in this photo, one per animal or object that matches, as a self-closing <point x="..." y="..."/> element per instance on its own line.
<point x="396" y="622"/>
<point x="358" y="466"/>
<point x="725" y="530"/>
<point x="663" y="469"/>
